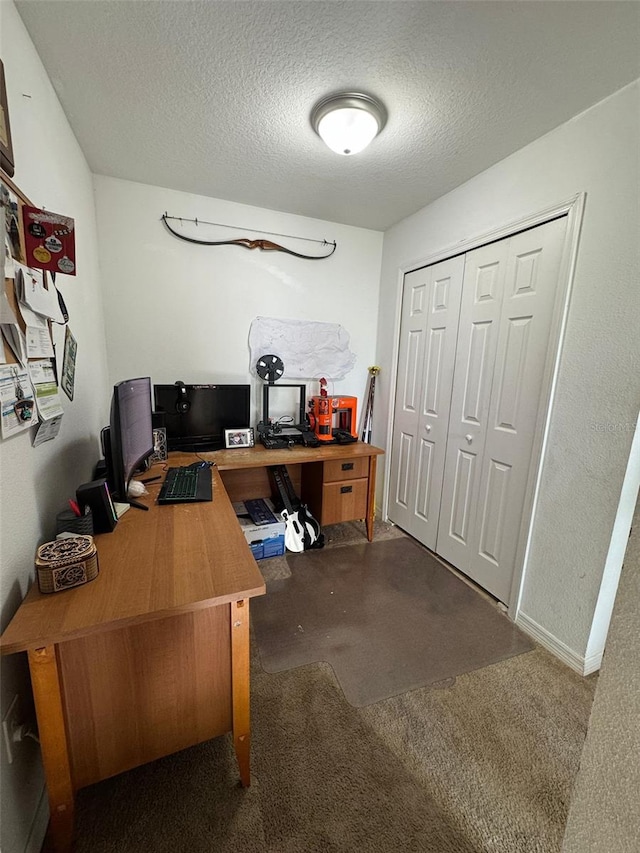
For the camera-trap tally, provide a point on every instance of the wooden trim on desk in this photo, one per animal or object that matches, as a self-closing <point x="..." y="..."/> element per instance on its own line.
<point x="240" y="688"/>
<point x="47" y="694"/>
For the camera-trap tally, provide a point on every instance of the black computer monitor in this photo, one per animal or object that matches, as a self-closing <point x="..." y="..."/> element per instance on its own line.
<point x="196" y="416"/>
<point x="130" y="434"/>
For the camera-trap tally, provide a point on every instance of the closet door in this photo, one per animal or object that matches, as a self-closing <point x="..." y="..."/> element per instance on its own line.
<point x="506" y="317"/>
<point x="429" y="323"/>
<point x="484" y="277"/>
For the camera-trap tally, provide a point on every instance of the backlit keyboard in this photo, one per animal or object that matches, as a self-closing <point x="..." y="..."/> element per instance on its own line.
<point x="186" y="484"/>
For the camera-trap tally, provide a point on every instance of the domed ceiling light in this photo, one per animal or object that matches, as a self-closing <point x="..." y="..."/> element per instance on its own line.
<point x="349" y="121"/>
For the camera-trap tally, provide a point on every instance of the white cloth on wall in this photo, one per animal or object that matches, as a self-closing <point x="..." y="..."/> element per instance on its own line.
<point x="308" y="349"/>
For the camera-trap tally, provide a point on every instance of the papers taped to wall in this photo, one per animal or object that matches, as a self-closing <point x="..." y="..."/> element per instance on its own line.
<point x="43" y="378"/>
<point x="16" y="400"/>
<point x="30" y="291"/>
<point x="308" y="349"/>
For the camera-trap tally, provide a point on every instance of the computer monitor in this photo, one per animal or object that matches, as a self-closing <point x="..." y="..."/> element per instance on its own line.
<point x="196" y="416"/>
<point x="130" y="434"/>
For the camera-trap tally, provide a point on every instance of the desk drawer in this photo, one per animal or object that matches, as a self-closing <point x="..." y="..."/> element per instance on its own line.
<point x="346" y="469"/>
<point x="344" y="501"/>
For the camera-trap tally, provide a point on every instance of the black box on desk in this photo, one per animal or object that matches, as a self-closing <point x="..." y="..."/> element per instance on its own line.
<point x="96" y="495"/>
<point x="265" y="539"/>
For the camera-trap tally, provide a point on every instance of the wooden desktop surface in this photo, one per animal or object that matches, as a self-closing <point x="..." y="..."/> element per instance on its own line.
<point x="259" y="456"/>
<point x="175" y="558"/>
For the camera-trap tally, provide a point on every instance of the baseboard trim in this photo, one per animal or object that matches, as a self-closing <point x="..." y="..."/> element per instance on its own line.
<point x="593" y="662"/>
<point x="39" y="825"/>
<point x="580" y="664"/>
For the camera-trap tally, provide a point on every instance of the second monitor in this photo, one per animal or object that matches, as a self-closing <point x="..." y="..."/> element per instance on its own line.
<point x="196" y="416"/>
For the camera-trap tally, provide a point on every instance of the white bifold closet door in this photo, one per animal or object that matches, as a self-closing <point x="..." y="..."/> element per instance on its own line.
<point x="429" y="326"/>
<point x="505" y="318"/>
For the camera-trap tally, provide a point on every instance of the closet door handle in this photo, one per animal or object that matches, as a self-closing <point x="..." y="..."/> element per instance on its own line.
<point x="427" y="428"/>
<point x="469" y="438"/>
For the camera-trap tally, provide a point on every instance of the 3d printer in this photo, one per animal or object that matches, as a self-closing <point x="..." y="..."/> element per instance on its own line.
<point x="333" y="418"/>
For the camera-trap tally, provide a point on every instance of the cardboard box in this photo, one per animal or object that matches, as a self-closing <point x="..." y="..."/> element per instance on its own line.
<point x="265" y="540"/>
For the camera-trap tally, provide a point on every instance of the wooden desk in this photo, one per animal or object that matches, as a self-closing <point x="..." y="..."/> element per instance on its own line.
<point x="337" y="482"/>
<point x="153" y="655"/>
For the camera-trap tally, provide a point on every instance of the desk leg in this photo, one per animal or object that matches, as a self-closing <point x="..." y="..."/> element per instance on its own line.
<point x="240" y="687"/>
<point x="371" y="497"/>
<point x="47" y="695"/>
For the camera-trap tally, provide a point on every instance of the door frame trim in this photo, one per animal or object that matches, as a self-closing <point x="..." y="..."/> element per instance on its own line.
<point x="573" y="209"/>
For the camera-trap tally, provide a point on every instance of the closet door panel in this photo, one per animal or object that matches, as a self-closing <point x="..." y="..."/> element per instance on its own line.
<point x="533" y="266"/>
<point x="413" y="330"/>
<point x="485" y="270"/>
<point x="431" y="305"/>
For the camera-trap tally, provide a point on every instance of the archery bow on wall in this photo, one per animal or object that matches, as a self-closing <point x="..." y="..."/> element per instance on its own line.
<point x="265" y="245"/>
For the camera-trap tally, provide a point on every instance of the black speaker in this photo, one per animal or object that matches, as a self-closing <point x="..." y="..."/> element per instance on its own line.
<point x="105" y="441"/>
<point x="96" y="495"/>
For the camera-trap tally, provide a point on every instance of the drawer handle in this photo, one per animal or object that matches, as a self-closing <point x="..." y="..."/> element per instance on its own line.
<point x="347" y="466"/>
<point x="344" y="490"/>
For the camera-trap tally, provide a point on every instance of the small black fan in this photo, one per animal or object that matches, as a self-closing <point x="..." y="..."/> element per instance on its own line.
<point x="270" y="367"/>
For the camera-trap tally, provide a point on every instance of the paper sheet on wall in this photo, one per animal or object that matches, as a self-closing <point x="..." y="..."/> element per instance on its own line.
<point x="47" y="430"/>
<point x="9" y="263"/>
<point x="7" y="314"/>
<point x="31" y="291"/>
<point x="14" y="336"/>
<point x="43" y="379"/>
<point x="16" y="400"/>
<point x="39" y="344"/>
<point x="307" y="348"/>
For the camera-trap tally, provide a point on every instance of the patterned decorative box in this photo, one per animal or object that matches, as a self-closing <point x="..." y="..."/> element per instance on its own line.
<point x="66" y="563"/>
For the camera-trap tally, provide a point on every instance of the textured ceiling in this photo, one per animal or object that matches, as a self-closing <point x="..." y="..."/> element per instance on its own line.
<point x="214" y="97"/>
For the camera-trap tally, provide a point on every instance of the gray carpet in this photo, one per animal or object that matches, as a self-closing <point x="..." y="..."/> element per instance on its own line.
<point x="483" y="767"/>
<point x="387" y="616"/>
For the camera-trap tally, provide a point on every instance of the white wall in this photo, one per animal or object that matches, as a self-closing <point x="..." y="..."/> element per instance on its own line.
<point x="596" y="403"/>
<point x="174" y="310"/>
<point x="35" y="483"/>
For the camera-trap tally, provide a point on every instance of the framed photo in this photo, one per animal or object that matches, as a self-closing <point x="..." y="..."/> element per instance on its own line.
<point x="6" y="148"/>
<point x="238" y="437"/>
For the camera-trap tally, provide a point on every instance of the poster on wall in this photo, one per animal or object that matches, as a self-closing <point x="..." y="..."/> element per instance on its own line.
<point x="49" y="240"/>
<point x="309" y="349"/>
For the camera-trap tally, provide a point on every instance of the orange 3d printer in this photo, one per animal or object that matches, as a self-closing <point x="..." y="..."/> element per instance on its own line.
<point x="333" y="418"/>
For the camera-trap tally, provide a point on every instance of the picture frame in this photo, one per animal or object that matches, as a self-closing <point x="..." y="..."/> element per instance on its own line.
<point x="6" y="146"/>
<point x="242" y="437"/>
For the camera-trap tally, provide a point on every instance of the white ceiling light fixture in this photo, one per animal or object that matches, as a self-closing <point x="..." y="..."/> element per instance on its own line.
<point x="347" y="122"/>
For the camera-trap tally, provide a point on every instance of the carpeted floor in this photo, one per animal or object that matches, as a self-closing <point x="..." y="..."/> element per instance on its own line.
<point x="483" y="766"/>
<point x="386" y="615"/>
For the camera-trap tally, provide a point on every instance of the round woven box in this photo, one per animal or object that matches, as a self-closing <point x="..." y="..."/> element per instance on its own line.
<point x="66" y="563"/>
